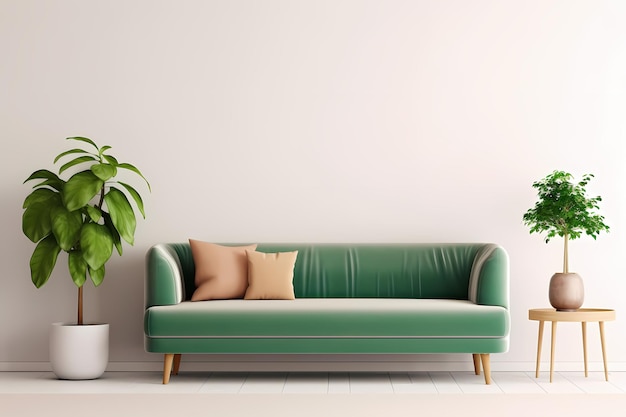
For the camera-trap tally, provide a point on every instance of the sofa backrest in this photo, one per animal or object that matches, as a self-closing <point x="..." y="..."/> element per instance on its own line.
<point x="368" y="270"/>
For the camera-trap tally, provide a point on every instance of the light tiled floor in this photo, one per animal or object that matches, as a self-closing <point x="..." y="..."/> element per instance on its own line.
<point x="400" y="383"/>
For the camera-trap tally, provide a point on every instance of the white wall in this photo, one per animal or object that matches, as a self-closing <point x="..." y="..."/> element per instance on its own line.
<point x="318" y="121"/>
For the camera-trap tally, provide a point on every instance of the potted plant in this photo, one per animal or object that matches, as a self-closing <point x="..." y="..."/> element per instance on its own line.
<point x="86" y="216"/>
<point x="564" y="210"/>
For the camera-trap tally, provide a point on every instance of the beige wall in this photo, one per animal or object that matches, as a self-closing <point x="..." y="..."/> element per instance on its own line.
<point x="325" y="121"/>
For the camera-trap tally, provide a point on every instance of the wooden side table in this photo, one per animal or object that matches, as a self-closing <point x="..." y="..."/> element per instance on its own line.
<point x="583" y="316"/>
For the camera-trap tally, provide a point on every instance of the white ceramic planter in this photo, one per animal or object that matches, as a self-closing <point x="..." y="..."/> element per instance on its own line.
<point x="79" y="352"/>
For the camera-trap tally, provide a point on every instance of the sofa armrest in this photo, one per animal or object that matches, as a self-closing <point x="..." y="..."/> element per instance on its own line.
<point x="489" y="279"/>
<point x="164" y="283"/>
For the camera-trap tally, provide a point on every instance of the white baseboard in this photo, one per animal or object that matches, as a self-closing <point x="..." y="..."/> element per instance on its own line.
<point x="324" y="366"/>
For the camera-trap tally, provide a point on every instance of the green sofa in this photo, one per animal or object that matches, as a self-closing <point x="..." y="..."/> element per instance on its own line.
<point x="350" y="299"/>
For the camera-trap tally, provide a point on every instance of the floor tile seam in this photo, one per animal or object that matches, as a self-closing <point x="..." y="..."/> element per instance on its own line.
<point x="206" y="379"/>
<point x="621" y="391"/>
<point x="245" y="379"/>
<point x="457" y="383"/>
<point x="286" y="376"/>
<point x="432" y="381"/>
<point x="412" y="383"/>
<point x="535" y="381"/>
<point x="390" y="381"/>
<point x="327" y="382"/>
<point x="572" y="382"/>
<point x="393" y="386"/>
<point x="494" y="381"/>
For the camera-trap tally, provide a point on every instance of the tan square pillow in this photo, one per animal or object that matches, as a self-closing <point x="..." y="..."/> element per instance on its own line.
<point x="270" y="275"/>
<point x="221" y="271"/>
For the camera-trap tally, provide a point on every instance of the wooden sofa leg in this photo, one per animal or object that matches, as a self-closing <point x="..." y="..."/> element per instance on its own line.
<point x="167" y="367"/>
<point x="177" y="358"/>
<point x="486" y="367"/>
<point x="476" y="358"/>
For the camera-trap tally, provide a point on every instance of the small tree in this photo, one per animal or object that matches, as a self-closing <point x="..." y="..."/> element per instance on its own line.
<point x="86" y="216"/>
<point x="564" y="210"/>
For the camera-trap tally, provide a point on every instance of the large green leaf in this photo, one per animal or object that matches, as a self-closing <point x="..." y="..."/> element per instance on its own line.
<point x="95" y="214"/>
<point x="43" y="260"/>
<point x="97" y="275"/>
<point x="78" y="267"/>
<point x="51" y="179"/>
<point x="36" y="222"/>
<point x="66" y="226"/>
<point x="97" y="244"/>
<point x="117" y="240"/>
<point x="111" y="160"/>
<point x="135" y="195"/>
<point x="42" y="195"/>
<point x="104" y="171"/>
<point x="79" y="160"/>
<point x="122" y="214"/>
<point x="80" y="189"/>
<point x="83" y="139"/>
<point x="135" y="170"/>
<point x="36" y="218"/>
<point x="70" y="152"/>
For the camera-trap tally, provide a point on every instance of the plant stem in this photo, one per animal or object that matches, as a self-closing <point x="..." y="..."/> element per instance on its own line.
<point x="101" y="197"/>
<point x="565" y="254"/>
<point x="80" y="305"/>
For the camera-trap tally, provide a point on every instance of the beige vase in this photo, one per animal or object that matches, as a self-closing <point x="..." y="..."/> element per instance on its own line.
<point x="567" y="291"/>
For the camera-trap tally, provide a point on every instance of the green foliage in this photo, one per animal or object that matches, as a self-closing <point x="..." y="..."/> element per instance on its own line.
<point x="85" y="216"/>
<point x="563" y="209"/>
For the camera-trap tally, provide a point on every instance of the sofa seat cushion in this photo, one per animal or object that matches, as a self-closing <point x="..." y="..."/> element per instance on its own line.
<point x="328" y="317"/>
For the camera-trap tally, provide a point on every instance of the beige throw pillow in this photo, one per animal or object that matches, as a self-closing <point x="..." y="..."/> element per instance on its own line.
<point x="270" y="275"/>
<point x="221" y="271"/>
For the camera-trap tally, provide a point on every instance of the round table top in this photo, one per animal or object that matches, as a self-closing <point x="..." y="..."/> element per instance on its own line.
<point x="580" y="315"/>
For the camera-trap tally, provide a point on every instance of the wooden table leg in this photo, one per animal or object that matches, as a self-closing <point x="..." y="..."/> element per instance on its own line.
<point x="584" y="325"/>
<point x="606" y="371"/>
<point x="552" y="343"/>
<point x="539" y="344"/>
<point x="167" y="367"/>
<point x="476" y="358"/>
<point x="484" y="358"/>
<point x="177" y="358"/>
